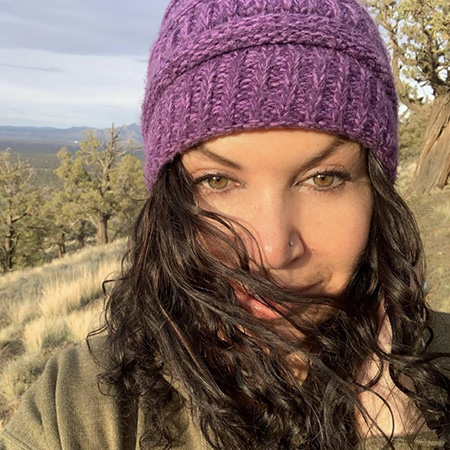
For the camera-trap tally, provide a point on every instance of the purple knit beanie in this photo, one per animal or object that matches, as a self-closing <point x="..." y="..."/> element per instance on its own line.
<point x="221" y="66"/>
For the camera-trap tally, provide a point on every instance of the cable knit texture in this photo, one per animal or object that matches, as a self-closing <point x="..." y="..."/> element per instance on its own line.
<point x="222" y="66"/>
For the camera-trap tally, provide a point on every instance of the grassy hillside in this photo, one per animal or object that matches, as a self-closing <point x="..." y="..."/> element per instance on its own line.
<point x="45" y="309"/>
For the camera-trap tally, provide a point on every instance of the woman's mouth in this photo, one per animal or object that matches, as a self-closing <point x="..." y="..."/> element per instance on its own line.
<point x="263" y="309"/>
<point x="256" y="307"/>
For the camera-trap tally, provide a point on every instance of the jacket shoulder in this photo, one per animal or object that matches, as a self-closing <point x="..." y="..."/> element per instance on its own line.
<point x="66" y="409"/>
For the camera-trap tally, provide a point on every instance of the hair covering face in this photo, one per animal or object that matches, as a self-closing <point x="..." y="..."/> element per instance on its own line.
<point x="222" y="66"/>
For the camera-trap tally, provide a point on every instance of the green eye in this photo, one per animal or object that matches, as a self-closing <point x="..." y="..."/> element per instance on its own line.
<point x="217" y="183"/>
<point x="323" y="181"/>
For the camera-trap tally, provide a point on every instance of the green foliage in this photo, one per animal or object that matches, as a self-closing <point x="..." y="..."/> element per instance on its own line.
<point x="424" y="27"/>
<point x="100" y="189"/>
<point x="128" y="184"/>
<point x="44" y="166"/>
<point x="411" y="131"/>
<point x="417" y="34"/>
<point x="20" y="234"/>
<point x="103" y="182"/>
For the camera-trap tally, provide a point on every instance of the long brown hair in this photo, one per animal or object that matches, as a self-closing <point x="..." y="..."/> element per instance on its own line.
<point x="174" y="314"/>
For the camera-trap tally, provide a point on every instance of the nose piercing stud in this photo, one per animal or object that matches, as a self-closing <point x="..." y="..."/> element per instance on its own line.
<point x="291" y="243"/>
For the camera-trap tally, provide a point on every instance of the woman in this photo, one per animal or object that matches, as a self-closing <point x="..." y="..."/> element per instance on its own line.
<point x="273" y="293"/>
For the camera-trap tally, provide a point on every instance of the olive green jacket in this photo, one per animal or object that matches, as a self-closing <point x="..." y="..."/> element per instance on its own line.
<point x="66" y="411"/>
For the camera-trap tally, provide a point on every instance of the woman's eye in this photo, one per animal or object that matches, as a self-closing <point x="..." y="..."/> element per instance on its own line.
<point x="216" y="182"/>
<point x="324" y="180"/>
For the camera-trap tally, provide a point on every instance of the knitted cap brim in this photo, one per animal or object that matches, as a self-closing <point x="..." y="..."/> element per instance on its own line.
<point x="317" y="88"/>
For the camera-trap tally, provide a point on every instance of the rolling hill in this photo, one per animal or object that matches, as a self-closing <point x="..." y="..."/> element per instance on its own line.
<point x="37" y="140"/>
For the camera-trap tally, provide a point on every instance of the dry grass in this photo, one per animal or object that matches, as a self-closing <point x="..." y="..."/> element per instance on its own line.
<point x="20" y="313"/>
<point x="44" y="332"/>
<point x="19" y="375"/>
<point x="29" y="283"/>
<point x="405" y="175"/>
<point x="79" y="323"/>
<point x="7" y="334"/>
<point x="444" y="210"/>
<point x="46" y="308"/>
<point x="63" y="296"/>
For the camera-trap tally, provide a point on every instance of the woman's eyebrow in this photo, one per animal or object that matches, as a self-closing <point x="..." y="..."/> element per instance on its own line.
<point x="220" y="159"/>
<point x="327" y="151"/>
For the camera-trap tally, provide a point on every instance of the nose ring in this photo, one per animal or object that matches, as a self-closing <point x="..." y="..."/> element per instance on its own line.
<point x="291" y="243"/>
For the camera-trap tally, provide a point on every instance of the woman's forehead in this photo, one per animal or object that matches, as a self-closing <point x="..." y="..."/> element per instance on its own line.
<point x="294" y="146"/>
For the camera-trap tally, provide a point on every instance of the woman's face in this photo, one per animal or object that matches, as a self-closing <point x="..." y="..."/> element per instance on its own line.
<point x="304" y="195"/>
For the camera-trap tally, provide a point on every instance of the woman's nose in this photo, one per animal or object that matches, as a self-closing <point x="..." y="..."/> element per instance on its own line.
<point x="276" y="228"/>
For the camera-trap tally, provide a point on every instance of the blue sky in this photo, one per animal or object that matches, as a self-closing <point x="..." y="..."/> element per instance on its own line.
<point x="70" y="63"/>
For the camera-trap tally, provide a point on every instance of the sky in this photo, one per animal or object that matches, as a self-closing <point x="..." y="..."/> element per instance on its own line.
<point x="66" y="63"/>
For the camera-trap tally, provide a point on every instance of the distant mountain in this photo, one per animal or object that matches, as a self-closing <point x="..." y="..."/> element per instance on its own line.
<point x="49" y="140"/>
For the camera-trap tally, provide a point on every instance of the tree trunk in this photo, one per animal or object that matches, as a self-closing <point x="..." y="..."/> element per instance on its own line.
<point x="8" y="260"/>
<point x="102" y="230"/>
<point x="81" y="235"/>
<point x="9" y="246"/>
<point x="62" y="245"/>
<point x="433" y="167"/>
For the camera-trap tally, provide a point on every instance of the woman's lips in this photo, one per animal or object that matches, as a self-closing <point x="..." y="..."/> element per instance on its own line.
<point x="257" y="308"/>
